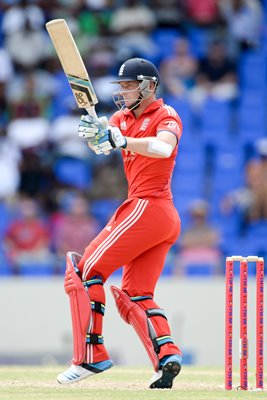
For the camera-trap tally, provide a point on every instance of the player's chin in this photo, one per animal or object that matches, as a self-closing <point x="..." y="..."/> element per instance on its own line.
<point x="129" y="102"/>
<point x="130" y="105"/>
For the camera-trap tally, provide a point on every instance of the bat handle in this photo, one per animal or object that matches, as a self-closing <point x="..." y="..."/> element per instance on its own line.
<point x="91" y="111"/>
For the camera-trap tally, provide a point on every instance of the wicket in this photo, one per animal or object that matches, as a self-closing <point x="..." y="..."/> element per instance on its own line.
<point x="243" y="341"/>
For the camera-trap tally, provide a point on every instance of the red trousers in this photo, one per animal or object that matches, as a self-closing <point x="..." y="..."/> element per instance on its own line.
<point x="137" y="237"/>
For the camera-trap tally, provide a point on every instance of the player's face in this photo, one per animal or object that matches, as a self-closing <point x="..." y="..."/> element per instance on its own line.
<point x="128" y="96"/>
<point x="130" y="92"/>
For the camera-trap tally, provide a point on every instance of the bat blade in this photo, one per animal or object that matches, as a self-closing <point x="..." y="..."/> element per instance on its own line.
<point x="72" y="65"/>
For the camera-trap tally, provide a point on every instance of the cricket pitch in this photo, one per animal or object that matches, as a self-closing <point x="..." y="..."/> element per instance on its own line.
<point x="118" y="383"/>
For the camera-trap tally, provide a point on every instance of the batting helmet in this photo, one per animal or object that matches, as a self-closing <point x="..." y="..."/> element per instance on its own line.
<point x="137" y="69"/>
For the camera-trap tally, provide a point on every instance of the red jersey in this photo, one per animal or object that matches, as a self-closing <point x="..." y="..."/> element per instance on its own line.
<point x="148" y="176"/>
<point x="204" y="11"/>
<point x="27" y="235"/>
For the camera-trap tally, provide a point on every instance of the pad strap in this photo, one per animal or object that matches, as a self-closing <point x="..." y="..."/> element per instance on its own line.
<point x="155" y="312"/>
<point x="94" y="338"/>
<point x="96" y="280"/>
<point x="141" y="298"/>
<point x="98" y="307"/>
<point x="159" y="341"/>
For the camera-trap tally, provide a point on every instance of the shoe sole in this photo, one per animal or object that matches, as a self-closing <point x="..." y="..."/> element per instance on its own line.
<point x="169" y="372"/>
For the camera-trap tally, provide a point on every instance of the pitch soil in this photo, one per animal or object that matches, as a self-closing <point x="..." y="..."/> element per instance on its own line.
<point x="118" y="383"/>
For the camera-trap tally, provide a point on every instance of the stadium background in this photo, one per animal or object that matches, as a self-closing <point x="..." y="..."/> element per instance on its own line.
<point x="45" y="167"/>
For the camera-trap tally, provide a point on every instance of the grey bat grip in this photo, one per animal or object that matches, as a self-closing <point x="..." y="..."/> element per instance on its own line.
<point x="91" y="111"/>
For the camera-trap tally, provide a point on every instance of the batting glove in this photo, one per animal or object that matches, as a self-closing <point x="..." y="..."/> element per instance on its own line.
<point x="94" y="148"/>
<point x="89" y="126"/>
<point x="109" y="139"/>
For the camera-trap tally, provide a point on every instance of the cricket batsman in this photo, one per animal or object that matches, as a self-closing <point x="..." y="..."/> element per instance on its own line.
<point x="137" y="237"/>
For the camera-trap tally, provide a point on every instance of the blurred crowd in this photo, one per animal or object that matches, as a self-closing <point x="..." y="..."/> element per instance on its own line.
<point x="55" y="195"/>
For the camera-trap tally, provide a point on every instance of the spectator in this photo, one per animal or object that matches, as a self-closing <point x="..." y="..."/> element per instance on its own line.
<point x="178" y="71"/>
<point x="249" y="201"/>
<point x="18" y="13"/>
<point x="95" y="16"/>
<point x="261" y="149"/>
<point x="204" y="13"/>
<point x="35" y="175"/>
<point x="109" y="180"/>
<point x="132" y="25"/>
<point x="244" y="19"/>
<point x="199" y="244"/>
<point x="29" y="94"/>
<point x="4" y="108"/>
<point x="169" y="13"/>
<point x="27" y="241"/>
<point x="6" y="76"/>
<point x="28" y="132"/>
<point x="100" y="62"/>
<point x="23" y="28"/>
<point x="65" y="143"/>
<point x="73" y="227"/>
<point x="6" y="66"/>
<point x="216" y="76"/>
<point x="9" y="167"/>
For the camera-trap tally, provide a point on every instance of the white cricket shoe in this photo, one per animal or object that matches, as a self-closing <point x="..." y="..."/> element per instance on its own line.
<point x="78" y="372"/>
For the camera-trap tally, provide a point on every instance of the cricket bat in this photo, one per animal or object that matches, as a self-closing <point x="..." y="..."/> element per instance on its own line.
<point x="73" y="65"/>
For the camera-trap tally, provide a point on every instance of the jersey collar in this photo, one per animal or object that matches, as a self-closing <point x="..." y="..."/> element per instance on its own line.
<point x="153" y="106"/>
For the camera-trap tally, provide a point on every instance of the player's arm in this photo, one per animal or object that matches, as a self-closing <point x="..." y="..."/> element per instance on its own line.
<point x="111" y="138"/>
<point x="160" y="146"/>
<point x="105" y="139"/>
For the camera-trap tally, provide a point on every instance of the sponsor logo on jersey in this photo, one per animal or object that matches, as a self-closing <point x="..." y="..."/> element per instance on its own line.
<point x="145" y="124"/>
<point x="172" y="125"/>
<point x="123" y="126"/>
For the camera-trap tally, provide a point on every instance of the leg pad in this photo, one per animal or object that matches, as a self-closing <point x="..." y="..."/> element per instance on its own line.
<point x="80" y="309"/>
<point x="135" y="316"/>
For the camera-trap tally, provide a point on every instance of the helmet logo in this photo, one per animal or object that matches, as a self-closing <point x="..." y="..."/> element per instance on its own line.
<point x="121" y="70"/>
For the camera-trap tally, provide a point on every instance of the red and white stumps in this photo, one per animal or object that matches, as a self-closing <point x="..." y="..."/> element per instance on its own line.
<point x="229" y="324"/>
<point x="229" y="311"/>
<point x="259" y="324"/>
<point x="243" y="339"/>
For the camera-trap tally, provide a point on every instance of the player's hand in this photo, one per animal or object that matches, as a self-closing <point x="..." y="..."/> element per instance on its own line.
<point x="109" y="139"/>
<point x="94" y="148"/>
<point x="89" y="126"/>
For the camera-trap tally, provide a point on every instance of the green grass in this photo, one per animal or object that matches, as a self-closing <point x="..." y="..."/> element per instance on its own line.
<point x="34" y="382"/>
